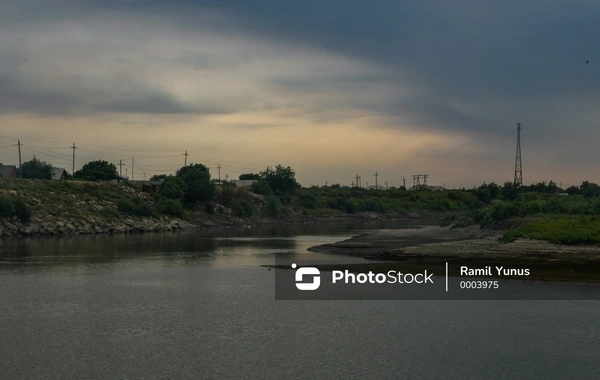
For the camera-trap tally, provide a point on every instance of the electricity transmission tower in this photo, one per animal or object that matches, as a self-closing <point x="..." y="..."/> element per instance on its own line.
<point x="417" y="185"/>
<point x="518" y="168"/>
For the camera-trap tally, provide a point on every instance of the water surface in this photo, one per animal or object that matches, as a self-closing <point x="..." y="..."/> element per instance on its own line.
<point x="198" y="306"/>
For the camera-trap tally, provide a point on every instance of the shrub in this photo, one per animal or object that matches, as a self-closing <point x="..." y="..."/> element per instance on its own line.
<point x="350" y="206"/>
<point x="109" y="213"/>
<point x="308" y="200"/>
<point x="171" y="207"/>
<point x="125" y="205"/>
<point x="226" y="196"/>
<point x="447" y="220"/>
<point x="21" y="209"/>
<point x="210" y="208"/>
<point x="134" y="206"/>
<point x="272" y="206"/>
<point x="7" y="208"/>
<point x="261" y="187"/>
<point x="242" y="208"/>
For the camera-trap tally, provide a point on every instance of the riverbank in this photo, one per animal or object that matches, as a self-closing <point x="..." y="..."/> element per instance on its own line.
<point x="54" y="208"/>
<point x="431" y="247"/>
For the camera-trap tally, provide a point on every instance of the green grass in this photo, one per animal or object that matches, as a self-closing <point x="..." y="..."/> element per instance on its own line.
<point x="559" y="230"/>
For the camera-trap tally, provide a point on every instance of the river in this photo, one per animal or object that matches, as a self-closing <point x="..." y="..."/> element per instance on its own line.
<point x="198" y="305"/>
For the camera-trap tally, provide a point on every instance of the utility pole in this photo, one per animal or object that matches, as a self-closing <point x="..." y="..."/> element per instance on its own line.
<point x="226" y="177"/>
<point x="376" y="187"/>
<point x="20" y="170"/>
<point x="73" y="147"/>
<point x="185" y="154"/>
<point x="126" y="170"/>
<point x="219" y="168"/>
<point x="518" y="168"/>
<point x="325" y="183"/>
<point x="132" y="168"/>
<point x="403" y="182"/>
<point x="144" y="176"/>
<point x="121" y="168"/>
<point x="357" y="180"/>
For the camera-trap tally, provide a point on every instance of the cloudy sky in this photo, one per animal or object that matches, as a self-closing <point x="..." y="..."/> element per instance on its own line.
<point x="333" y="88"/>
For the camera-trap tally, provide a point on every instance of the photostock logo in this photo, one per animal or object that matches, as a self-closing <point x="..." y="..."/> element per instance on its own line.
<point x="307" y="271"/>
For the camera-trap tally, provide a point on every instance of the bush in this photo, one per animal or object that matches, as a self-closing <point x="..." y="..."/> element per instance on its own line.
<point x="272" y="206"/>
<point x="7" y="209"/>
<point x="171" y="207"/>
<point x="447" y="220"/>
<point x="261" y="187"/>
<point x="226" y="196"/>
<point x="243" y="208"/>
<point x="22" y="211"/>
<point x="125" y="205"/>
<point x="109" y="213"/>
<point x="308" y="201"/>
<point x="350" y="206"/>
<point x="134" y="206"/>
<point x="210" y="208"/>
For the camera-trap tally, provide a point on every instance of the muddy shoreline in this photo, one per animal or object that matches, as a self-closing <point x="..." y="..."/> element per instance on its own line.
<point x="431" y="247"/>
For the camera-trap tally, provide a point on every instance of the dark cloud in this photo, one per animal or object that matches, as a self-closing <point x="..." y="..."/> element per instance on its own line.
<point x="489" y="52"/>
<point x="485" y="64"/>
<point x="20" y="95"/>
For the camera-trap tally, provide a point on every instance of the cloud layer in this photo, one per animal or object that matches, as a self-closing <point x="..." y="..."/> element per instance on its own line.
<point x="446" y="81"/>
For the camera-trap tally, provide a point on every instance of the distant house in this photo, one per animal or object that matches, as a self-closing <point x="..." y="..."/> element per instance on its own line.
<point x="243" y="182"/>
<point x="59" y="173"/>
<point x="8" y="171"/>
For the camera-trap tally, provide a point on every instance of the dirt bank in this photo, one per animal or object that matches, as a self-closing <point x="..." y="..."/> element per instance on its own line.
<point x="433" y="246"/>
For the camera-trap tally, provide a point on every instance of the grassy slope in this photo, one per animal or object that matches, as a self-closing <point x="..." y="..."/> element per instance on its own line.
<point x="559" y="229"/>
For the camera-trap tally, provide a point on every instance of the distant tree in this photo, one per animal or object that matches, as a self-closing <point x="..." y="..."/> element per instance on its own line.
<point x="198" y="187"/>
<point x="158" y="177"/>
<point x="282" y="180"/>
<point x="510" y="191"/>
<point x="494" y="190"/>
<point x="172" y="188"/>
<point x="483" y="193"/>
<point x="250" y="177"/>
<point x="573" y="190"/>
<point x="99" y="170"/>
<point x="36" y="169"/>
<point x="589" y="189"/>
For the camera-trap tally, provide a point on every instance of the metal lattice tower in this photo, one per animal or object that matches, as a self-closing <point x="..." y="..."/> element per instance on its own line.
<point x="518" y="168"/>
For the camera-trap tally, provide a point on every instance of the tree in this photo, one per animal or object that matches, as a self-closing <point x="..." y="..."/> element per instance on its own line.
<point x="172" y="188"/>
<point x="158" y="177"/>
<point x="99" y="170"/>
<point x="250" y="177"/>
<point x="282" y="180"/>
<point x="36" y="169"/>
<point x="198" y="187"/>
<point x="589" y="189"/>
<point x="510" y="191"/>
<point x="573" y="190"/>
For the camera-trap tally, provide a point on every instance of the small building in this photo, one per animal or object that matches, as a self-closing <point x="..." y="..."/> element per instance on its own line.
<point x="8" y="171"/>
<point x="59" y="173"/>
<point x="243" y="182"/>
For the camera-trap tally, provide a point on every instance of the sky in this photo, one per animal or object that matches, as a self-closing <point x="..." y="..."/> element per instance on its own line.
<point x="333" y="88"/>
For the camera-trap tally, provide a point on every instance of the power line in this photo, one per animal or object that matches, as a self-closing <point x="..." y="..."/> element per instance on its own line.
<point x="563" y="136"/>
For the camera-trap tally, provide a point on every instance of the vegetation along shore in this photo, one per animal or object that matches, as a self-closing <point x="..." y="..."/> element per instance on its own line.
<point x="523" y="222"/>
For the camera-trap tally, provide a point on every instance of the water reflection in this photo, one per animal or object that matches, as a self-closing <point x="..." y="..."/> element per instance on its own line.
<point x="257" y="245"/>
